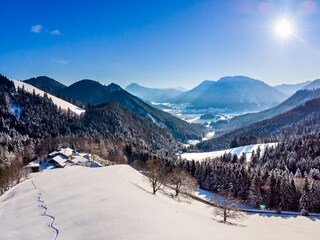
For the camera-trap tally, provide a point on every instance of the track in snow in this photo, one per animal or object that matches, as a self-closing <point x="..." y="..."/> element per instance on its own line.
<point x="56" y="231"/>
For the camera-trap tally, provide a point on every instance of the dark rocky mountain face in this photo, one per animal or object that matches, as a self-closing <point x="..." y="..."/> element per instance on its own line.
<point x="297" y="99"/>
<point x="153" y="94"/>
<point x="232" y="93"/>
<point x="46" y="84"/>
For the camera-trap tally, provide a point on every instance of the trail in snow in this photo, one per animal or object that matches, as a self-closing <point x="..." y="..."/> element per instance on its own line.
<point x="45" y="213"/>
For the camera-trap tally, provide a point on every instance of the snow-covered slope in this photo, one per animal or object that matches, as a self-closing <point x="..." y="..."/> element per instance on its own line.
<point x="57" y="101"/>
<point x="115" y="203"/>
<point x="238" y="150"/>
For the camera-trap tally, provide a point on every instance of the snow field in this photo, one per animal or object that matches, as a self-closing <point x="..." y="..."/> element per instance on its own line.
<point x="57" y="101"/>
<point x="238" y="150"/>
<point x="115" y="203"/>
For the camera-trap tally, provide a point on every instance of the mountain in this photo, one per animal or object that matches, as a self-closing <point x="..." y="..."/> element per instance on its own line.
<point x="290" y="89"/>
<point x="152" y="94"/>
<point x="27" y="119"/>
<point x="313" y="85"/>
<point x="92" y="92"/>
<point x="237" y="93"/>
<point x="60" y="103"/>
<point x="191" y="95"/>
<point x="46" y="84"/>
<point x="295" y="100"/>
<point x="298" y="118"/>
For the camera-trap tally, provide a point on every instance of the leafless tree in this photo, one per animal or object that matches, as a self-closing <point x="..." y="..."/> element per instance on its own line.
<point x="226" y="207"/>
<point x="156" y="174"/>
<point x="181" y="181"/>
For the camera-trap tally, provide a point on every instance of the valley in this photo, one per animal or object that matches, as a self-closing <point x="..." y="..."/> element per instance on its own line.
<point x="160" y="120"/>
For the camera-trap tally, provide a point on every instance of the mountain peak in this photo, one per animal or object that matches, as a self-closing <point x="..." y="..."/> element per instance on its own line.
<point x="114" y="87"/>
<point x="133" y="85"/>
<point x="46" y="84"/>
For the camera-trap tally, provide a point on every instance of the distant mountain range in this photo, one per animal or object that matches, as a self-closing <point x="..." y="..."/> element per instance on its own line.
<point x="312" y="85"/>
<point x="307" y="115"/>
<point x="237" y="93"/>
<point x="94" y="93"/>
<point x="153" y="94"/>
<point x="295" y="100"/>
<point x="290" y="89"/>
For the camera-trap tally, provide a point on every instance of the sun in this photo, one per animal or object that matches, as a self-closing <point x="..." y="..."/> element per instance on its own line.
<point x="284" y="28"/>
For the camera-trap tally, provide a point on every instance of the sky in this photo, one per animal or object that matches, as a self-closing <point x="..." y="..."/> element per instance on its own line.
<point x="167" y="43"/>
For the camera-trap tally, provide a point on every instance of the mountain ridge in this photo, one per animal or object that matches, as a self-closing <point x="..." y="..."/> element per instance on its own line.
<point x="300" y="97"/>
<point x="232" y="93"/>
<point x="153" y="94"/>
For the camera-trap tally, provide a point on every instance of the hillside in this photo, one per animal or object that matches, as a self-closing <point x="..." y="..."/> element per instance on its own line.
<point x="94" y="93"/>
<point x="247" y="150"/>
<point x="27" y="119"/>
<point x="297" y="99"/>
<point x="60" y="103"/>
<point x="308" y="114"/>
<point x="115" y="203"/>
<point x="46" y="84"/>
<point x="153" y="94"/>
<point x="237" y="93"/>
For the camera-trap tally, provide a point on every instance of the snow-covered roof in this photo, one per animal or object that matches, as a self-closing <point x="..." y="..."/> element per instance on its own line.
<point x="66" y="151"/>
<point x="61" y="160"/>
<point x="79" y="158"/>
<point x="54" y="153"/>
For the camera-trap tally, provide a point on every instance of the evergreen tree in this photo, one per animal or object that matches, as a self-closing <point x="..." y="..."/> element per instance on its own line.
<point x="305" y="198"/>
<point x="255" y="196"/>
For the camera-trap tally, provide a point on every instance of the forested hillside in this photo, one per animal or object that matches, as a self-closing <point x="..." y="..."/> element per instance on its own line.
<point x="93" y="93"/>
<point x="295" y="100"/>
<point x="285" y="177"/>
<point x="303" y="116"/>
<point x="27" y="119"/>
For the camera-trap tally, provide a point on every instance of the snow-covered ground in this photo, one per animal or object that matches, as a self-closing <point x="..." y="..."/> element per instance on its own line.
<point x="115" y="203"/>
<point x="238" y="150"/>
<point x="57" y="101"/>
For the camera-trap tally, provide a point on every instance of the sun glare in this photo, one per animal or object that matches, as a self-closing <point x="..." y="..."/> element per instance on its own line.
<point x="284" y="28"/>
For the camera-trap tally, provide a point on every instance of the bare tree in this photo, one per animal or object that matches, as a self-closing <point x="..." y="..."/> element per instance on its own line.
<point x="156" y="174"/>
<point x="226" y="207"/>
<point x="181" y="181"/>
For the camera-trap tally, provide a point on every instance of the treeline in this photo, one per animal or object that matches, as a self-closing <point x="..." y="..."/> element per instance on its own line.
<point x="285" y="177"/>
<point x="277" y="189"/>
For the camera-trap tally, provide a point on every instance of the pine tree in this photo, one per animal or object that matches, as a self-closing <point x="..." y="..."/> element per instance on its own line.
<point x="255" y="197"/>
<point x="314" y="197"/>
<point x="305" y="198"/>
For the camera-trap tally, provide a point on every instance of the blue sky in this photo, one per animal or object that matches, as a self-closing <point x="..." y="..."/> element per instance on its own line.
<point x="163" y="43"/>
